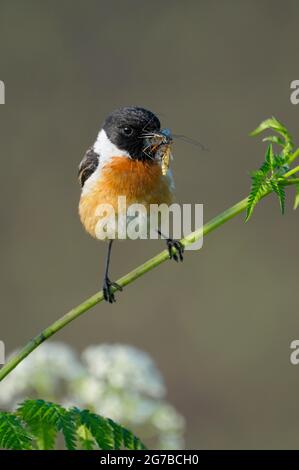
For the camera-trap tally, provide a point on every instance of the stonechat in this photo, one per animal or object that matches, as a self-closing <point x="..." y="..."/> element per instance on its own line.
<point x="130" y="158"/>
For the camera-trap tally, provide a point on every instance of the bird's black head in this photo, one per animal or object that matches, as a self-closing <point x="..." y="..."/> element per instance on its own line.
<point x="129" y="128"/>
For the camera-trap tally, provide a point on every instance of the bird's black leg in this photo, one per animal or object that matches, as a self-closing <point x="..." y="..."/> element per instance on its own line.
<point x="109" y="285"/>
<point x="178" y="254"/>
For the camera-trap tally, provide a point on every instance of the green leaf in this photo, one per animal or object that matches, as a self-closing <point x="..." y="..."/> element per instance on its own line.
<point x="36" y="423"/>
<point x="279" y="189"/>
<point x="280" y="161"/>
<point x="265" y="168"/>
<point x="85" y="438"/>
<point x="44" y="434"/>
<point x="269" y="158"/>
<point x="130" y="441"/>
<point x="117" y="434"/>
<point x="259" y="188"/>
<point x="274" y="139"/>
<point x="12" y="433"/>
<point x="296" y="202"/>
<point x="286" y="141"/>
<point x="108" y="434"/>
<point x="99" y="428"/>
<point x="68" y="428"/>
<point x="271" y="123"/>
<point x="50" y="414"/>
<point x="124" y="437"/>
<point x="268" y="177"/>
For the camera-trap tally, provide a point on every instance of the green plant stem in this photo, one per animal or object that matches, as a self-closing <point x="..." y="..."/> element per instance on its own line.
<point x="291" y="172"/>
<point x="289" y="181"/>
<point x="124" y="281"/>
<point x="293" y="156"/>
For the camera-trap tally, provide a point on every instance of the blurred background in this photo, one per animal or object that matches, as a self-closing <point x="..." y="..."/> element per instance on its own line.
<point x="219" y="326"/>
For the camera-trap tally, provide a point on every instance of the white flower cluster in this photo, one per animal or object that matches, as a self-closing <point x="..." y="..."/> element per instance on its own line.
<point x="117" y="381"/>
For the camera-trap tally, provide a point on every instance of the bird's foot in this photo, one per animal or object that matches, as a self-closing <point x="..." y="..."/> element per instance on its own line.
<point x="108" y="290"/>
<point x="179" y="247"/>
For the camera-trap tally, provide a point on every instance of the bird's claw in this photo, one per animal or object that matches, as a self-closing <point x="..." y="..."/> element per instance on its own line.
<point x="107" y="290"/>
<point x="178" y="255"/>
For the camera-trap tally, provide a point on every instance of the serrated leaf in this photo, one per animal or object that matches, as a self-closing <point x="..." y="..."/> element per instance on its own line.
<point x="36" y="423"/>
<point x="99" y="428"/>
<point x="44" y="434"/>
<point x="124" y="437"/>
<point x="269" y="157"/>
<point x="51" y="414"/>
<point x="128" y="439"/>
<point x="265" y="168"/>
<point x="279" y="189"/>
<point x="279" y="161"/>
<point x="12" y="433"/>
<point x="259" y="188"/>
<point x="107" y="434"/>
<point x="85" y="438"/>
<point x="67" y="426"/>
<point x="117" y="434"/>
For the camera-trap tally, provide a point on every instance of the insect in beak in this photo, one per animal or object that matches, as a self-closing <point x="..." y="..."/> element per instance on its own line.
<point x="159" y="144"/>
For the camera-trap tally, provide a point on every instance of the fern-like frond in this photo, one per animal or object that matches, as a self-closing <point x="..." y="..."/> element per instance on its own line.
<point x="99" y="428"/>
<point x="44" y="435"/>
<point x="125" y="438"/>
<point x="279" y="189"/>
<point x="68" y="428"/>
<point x="281" y="164"/>
<point x="275" y="167"/>
<point x="259" y="188"/>
<point x="285" y="141"/>
<point x="117" y="434"/>
<point x="85" y="438"/>
<point x="80" y="428"/>
<point x="13" y="435"/>
<point x="131" y="441"/>
<point x="52" y="415"/>
<point x="106" y="433"/>
<point x="269" y="160"/>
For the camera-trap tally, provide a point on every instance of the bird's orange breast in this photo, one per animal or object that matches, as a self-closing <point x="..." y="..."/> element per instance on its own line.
<point x="140" y="182"/>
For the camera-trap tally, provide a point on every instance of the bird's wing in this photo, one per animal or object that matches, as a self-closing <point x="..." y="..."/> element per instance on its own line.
<point x="88" y="165"/>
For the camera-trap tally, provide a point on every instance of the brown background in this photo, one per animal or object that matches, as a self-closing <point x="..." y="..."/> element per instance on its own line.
<point x="220" y="325"/>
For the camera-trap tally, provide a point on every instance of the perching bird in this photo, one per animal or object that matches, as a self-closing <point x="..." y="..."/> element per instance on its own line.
<point x="126" y="160"/>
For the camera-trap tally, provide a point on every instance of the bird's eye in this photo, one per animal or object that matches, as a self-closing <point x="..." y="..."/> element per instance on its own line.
<point x="128" y="130"/>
